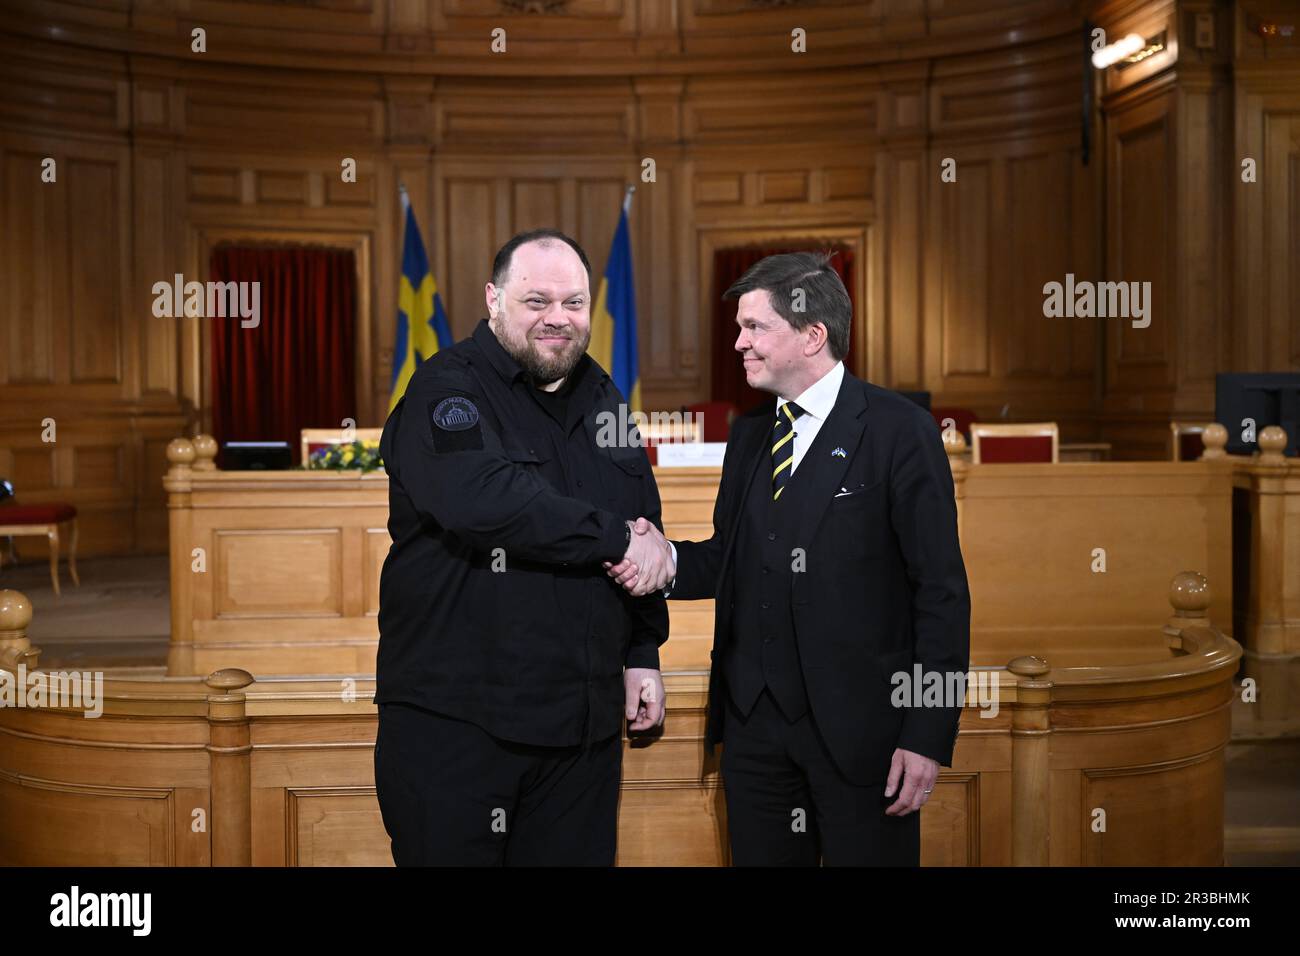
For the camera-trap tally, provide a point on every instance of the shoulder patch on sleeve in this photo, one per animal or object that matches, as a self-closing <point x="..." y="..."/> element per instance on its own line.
<point x="454" y="424"/>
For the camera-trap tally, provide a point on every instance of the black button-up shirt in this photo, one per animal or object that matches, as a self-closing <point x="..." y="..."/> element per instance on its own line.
<point x="493" y="604"/>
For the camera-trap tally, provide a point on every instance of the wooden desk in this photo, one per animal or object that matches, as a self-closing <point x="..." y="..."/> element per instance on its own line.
<point x="1094" y="541"/>
<point x="276" y="572"/>
<point x="290" y="561"/>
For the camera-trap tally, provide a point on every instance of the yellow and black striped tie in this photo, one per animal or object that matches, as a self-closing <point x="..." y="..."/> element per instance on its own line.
<point x="783" y="447"/>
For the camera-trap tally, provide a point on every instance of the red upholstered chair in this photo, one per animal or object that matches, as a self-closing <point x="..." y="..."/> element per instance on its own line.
<point x="962" y="418"/>
<point x="1019" y="443"/>
<point x="46" y="520"/>
<point x="1188" y="440"/>
<point x="717" y="417"/>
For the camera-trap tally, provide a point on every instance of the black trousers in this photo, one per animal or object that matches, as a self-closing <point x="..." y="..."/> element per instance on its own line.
<point x="788" y="804"/>
<point x="453" y="795"/>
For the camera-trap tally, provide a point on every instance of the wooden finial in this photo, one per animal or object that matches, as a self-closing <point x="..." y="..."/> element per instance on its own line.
<point x="180" y="452"/>
<point x="15" y="648"/>
<point x="205" y="450"/>
<point x="1271" y="442"/>
<point x="1189" y="594"/>
<point x="1213" y="438"/>
<point x="15" y="615"/>
<point x="1029" y="666"/>
<point x="228" y="679"/>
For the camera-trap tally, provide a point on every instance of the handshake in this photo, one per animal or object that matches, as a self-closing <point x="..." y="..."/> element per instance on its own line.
<point x="648" y="564"/>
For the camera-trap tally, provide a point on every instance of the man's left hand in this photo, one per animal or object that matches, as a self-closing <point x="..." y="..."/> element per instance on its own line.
<point x="918" y="775"/>
<point x="643" y="698"/>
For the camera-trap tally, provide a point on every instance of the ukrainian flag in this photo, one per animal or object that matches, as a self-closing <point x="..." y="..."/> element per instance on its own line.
<point x="613" y="320"/>
<point x="421" y="322"/>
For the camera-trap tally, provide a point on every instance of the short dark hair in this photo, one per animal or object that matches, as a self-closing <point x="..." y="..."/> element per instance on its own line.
<point x="824" y="297"/>
<point x="501" y="264"/>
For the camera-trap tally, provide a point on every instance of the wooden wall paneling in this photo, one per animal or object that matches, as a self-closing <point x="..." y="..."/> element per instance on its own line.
<point x="1085" y="343"/>
<point x="905" y="183"/>
<point x="1037" y="192"/>
<point x="1010" y="222"/>
<point x="690" y="329"/>
<point x="408" y="166"/>
<point x="1267" y="241"/>
<point x="281" y="112"/>
<point x="1199" y="250"/>
<point x="1141" y="219"/>
<point x="154" y="220"/>
<point x="771" y="110"/>
<point x="69" y="244"/>
<point x="910" y="290"/>
<point x="967" y="235"/>
<point x="68" y="91"/>
<point x="469" y="238"/>
<point x="1034" y="90"/>
<point x="98" y="200"/>
<point x="27" y="236"/>
<point x="657" y="224"/>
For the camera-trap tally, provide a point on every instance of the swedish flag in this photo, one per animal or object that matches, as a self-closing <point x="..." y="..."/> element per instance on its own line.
<point x="613" y="319"/>
<point x="421" y="322"/>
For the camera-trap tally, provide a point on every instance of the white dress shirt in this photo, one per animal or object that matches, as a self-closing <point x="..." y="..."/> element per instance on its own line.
<point x="816" y="401"/>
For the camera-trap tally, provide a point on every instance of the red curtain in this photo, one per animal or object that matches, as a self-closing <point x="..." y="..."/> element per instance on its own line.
<point x="728" y="377"/>
<point x="296" y="369"/>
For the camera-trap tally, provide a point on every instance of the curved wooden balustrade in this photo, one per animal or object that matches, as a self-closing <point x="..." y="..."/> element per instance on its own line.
<point x="1085" y="765"/>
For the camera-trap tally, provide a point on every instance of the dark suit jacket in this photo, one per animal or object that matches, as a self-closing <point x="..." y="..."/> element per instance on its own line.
<point x="884" y="586"/>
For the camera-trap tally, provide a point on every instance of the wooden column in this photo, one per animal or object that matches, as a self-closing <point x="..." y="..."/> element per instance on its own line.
<point x="1030" y="768"/>
<point x="1271" y="650"/>
<point x="180" y="654"/>
<point x="230" y="760"/>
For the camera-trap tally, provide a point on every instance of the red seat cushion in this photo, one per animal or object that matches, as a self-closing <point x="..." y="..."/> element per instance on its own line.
<point x="1004" y="449"/>
<point x="36" y="514"/>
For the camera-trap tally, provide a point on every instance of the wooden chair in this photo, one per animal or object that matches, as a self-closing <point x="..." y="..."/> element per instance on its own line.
<point x="1014" y="443"/>
<point x="1188" y="440"/>
<point x="46" y="520"/>
<point x="314" y="439"/>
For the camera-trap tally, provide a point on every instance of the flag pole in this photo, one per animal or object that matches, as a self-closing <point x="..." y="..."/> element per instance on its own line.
<point x="627" y="199"/>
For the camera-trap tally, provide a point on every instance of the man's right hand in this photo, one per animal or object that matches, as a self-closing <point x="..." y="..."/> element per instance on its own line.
<point x="648" y="565"/>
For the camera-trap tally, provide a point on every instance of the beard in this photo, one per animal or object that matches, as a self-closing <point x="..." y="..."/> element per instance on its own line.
<point x="546" y="366"/>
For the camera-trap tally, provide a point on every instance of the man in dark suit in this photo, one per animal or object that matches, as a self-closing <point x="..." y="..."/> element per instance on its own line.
<point x="838" y="582"/>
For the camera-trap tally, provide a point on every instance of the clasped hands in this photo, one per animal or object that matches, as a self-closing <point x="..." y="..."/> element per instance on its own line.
<point x="648" y="564"/>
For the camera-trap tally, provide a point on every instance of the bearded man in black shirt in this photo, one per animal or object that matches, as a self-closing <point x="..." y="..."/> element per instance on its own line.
<point x="508" y="660"/>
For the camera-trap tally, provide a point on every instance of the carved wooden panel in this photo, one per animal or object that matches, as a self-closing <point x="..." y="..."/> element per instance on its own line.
<point x="278" y="572"/>
<point x="1140" y="233"/>
<point x="90" y="825"/>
